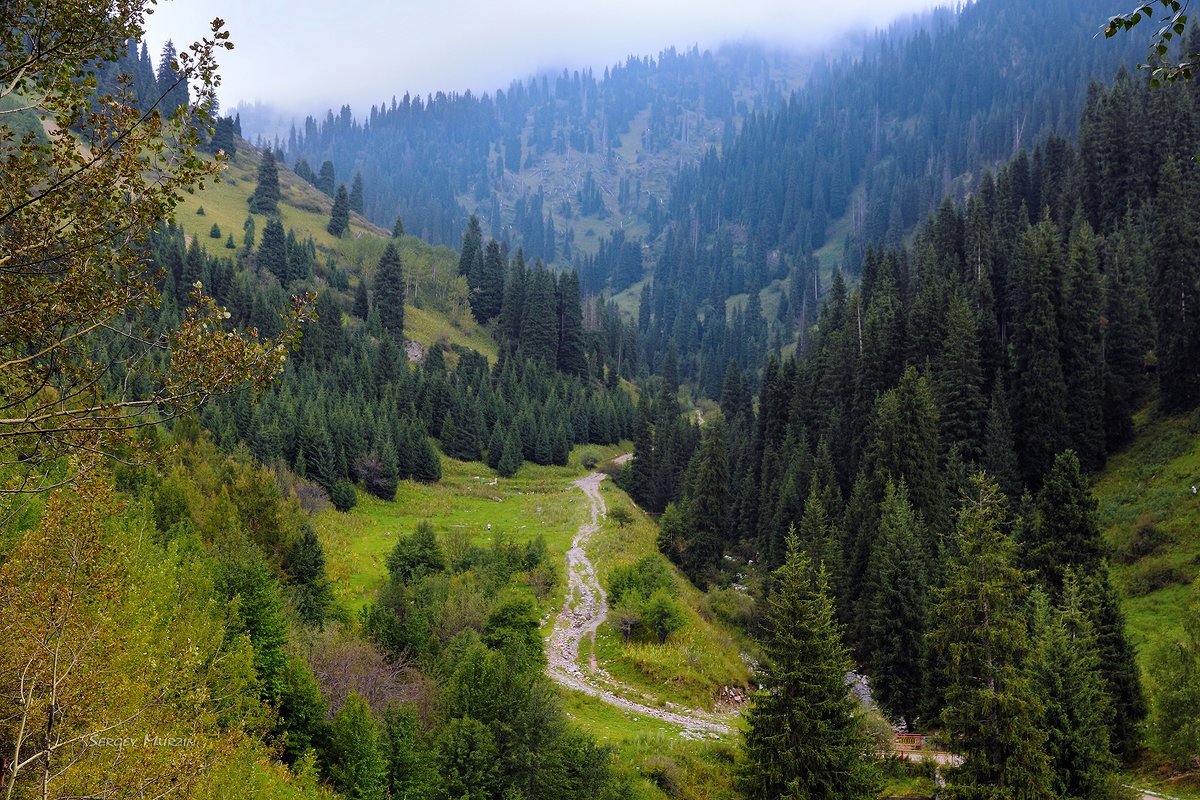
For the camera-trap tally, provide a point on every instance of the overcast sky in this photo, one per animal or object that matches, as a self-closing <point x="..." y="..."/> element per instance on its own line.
<point x="308" y="55"/>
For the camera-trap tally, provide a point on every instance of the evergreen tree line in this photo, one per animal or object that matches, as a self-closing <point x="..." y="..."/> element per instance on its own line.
<point x="1001" y="340"/>
<point x="162" y="90"/>
<point x="451" y="144"/>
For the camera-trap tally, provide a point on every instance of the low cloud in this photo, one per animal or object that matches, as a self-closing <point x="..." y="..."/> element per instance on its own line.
<point x="309" y="55"/>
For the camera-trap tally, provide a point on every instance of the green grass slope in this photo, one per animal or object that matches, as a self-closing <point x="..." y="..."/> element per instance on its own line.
<point x="306" y="210"/>
<point x="1151" y="521"/>
<point x="689" y="669"/>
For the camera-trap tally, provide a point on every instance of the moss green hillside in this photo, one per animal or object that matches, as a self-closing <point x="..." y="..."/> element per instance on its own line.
<point x="306" y="210"/>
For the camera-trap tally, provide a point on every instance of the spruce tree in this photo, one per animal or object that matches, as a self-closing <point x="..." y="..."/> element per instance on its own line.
<point x="272" y="250"/>
<point x="1077" y="710"/>
<point x="980" y="632"/>
<point x="511" y="456"/>
<point x="1175" y="253"/>
<point x="1083" y="346"/>
<point x="172" y="85"/>
<point x="305" y="568"/>
<point x="389" y="292"/>
<point x="708" y="499"/>
<point x="1118" y="659"/>
<point x="999" y="451"/>
<point x="1039" y="389"/>
<point x="1128" y="334"/>
<point x="425" y="465"/>
<point x="538" y="338"/>
<point x="339" y="217"/>
<point x="490" y="293"/>
<point x="896" y="608"/>
<point x="326" y="179"/>
<point x="1064" y="535"/>
<point x="571" y="359"/>
<point x="265" y="199"/>
<point x="958" y="382"/>
<point x="472" y="249"/>
<point x="362" y="306"/>
<point x="802" y="737"/>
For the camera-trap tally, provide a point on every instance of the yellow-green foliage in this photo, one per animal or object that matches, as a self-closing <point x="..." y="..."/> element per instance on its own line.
<point x="1151" y="521"/>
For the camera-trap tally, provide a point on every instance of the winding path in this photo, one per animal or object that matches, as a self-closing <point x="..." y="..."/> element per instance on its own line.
<point x="583" y="611"/>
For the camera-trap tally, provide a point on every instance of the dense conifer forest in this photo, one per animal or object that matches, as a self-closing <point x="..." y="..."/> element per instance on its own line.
<point x="866" y="330"/>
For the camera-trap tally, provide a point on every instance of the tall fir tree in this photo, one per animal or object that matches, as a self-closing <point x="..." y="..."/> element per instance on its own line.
<point x="172" y="85"/>
<point x="339" y="217"/>
<point x="896" y="608"/>
<point x="1039" y="389"/>
<point x="571" y="359"/>
<point x="1077" y="710"/>
<point x="980" y="632"/>
<point x="539" y="333"/>
<point x="1081" y="327"/>
<point x="1064" y="534"/>
<point x="1175" y="253"/>
<point x="801" y="737"/>
<point x="389" y="292"/>
<point x="265" y="199"/>
<point x="326" y="178"/>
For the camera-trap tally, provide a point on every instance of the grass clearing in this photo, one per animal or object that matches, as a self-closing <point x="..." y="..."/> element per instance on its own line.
<point x="1151" y="522"/>
<point x="696" y="661"/>
<point x="664" y="763"/>
<point x="537" y="500"/>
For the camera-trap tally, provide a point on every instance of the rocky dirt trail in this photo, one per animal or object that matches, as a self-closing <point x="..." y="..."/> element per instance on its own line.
<point x="583" y="611"/>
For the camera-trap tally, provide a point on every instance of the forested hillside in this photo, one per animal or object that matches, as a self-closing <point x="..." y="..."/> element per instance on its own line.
<point x="299" y="489"/>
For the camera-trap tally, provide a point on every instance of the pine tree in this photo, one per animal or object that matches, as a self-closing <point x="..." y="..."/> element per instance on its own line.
<point x="1175" y="253"/>
<point x="1122" y="677"/>
<point x="397" y="228"/>
<point x="539" y="336"/>
<point x="172" y="85"/>
<point x="326" y="179"/>
<point x="362" y="307"/>
<point x="999" y="451"/>
<point x="356" y="194"/>
<point x="1064" y="535"/>
<point x="305" y="567"/>
<point x="389" y="292"/>
<point x="1083" y="347"/>
<point x="1039" y="389"/>
<point x="905" y="445"/>
<point x="489" y="298"/>
<point x="571" y="359"/>
<point x="425" y="465"/>
<point x="1077" y="710"/>
<point x="897" y="608"/>
<point x="958" y="382"/>
<point x="708" y="500"/>
<point x="265" y="199"/>
<point x="472" y="249"/>
<point x="801" y="737"/>
<point x="980" y="632"/>
<point x="1128" y="335"/>
<point x="357" y="767"/>
<point x="339" y="217"/>
<point x="511" y="457"/>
